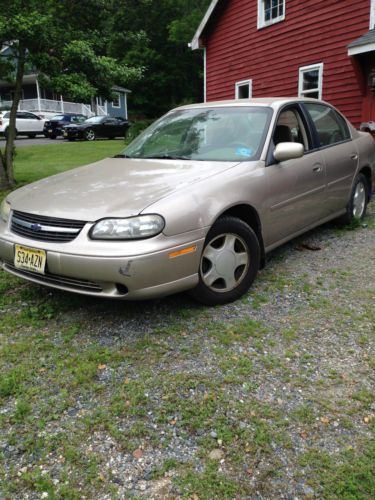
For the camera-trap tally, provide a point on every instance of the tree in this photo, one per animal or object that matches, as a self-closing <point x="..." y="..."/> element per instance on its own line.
<point x="67" y="42"/>
<point x="155" y="34"/>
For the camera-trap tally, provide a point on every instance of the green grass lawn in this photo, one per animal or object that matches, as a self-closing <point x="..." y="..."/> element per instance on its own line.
<point x="35" y="162"/>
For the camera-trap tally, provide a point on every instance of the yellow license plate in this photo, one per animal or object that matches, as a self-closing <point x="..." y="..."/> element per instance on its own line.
<point x="31" y="259"/>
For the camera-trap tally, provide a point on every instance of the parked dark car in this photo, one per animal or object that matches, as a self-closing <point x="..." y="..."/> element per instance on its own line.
<point x="54" y="126"/>
<point x="97" y="126"/>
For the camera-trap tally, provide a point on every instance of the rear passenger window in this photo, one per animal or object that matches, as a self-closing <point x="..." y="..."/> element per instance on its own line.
<point x="330" y="126"/>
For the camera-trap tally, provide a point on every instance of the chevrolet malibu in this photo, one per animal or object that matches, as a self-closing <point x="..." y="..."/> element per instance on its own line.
<point x="194" y="203"/>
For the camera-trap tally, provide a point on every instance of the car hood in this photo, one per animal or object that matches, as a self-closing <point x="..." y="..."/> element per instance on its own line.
<point x="114" y="187"/>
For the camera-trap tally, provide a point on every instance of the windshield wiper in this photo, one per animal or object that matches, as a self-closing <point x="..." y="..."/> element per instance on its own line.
<point x="121" y="156"/>
<point x="166" y="157"/>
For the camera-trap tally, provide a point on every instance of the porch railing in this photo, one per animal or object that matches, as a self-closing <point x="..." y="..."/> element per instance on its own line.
<point x="51" y="106"/>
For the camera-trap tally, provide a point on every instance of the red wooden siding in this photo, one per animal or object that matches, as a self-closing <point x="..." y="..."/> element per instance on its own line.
<point x="314" y="31"/>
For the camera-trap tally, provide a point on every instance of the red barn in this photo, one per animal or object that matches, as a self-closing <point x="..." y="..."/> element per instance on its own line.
<point x="312" y="48"/>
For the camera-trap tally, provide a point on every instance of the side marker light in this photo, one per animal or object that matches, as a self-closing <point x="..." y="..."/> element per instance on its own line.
<point x="184" y="251"/>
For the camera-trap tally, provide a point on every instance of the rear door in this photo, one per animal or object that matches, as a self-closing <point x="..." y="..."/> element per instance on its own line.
<point x="339" y="153"/>
<point x="296" y="188"/>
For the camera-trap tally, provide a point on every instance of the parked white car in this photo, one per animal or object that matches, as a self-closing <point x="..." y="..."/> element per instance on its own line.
<point x="27" y="123"/>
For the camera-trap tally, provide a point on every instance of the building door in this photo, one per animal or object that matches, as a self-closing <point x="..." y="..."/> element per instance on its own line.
<point x="368" y="108"/>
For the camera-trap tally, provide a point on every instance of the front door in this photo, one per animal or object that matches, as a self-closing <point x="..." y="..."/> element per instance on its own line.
<point x="368" y="108"/>
<point x="296" y="188"/>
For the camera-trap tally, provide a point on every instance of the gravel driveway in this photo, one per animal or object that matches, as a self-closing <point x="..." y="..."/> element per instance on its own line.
<point x="269" y="397"/>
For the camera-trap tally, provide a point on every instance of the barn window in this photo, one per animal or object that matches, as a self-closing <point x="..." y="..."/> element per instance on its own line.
<point x="270" y="12"/>
<point x="243" y="89"/>
<point x="310" y="83"/>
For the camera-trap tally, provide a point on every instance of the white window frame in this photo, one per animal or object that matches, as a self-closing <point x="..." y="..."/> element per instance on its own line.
<point x="242" y="83"/>
<point x="372" y="15"/>
<point x="262" y="23"/>
<point x="119" y="101"/>
<point x="302" y="70"/>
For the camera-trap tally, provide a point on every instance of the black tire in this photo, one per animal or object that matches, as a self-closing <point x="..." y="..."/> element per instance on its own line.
<point x="52" y="136"/>
<point x="357" y="205"/>
<point x="89" y="134"/>
<point x="235" y="252"/>
<point x="31" y="136"/>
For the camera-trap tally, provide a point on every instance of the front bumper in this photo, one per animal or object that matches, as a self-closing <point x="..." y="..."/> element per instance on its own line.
<point x="124" y="270"/>
<point x="73" y="133"/>
<point x="53" y="131"/>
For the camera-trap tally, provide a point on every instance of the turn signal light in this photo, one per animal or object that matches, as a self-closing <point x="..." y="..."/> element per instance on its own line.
<point x="184" y="251"/>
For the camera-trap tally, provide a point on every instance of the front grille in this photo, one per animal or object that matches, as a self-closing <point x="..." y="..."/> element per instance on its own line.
<point x="41" y="228"/>
<point x="54" y="279"/>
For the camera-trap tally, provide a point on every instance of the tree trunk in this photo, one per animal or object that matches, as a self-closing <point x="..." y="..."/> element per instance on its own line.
<point x="6" y="159"/>
<point x="94" y="106"/>
<point x="4" y="184"/>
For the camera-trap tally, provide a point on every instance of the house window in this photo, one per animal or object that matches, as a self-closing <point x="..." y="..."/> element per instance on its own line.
<point x="116" y="100"/>
<point x="270" y="12"/>
<point x="310" y="82"/>
<point x="372" y="15"/>
<point x="243" y="89"/>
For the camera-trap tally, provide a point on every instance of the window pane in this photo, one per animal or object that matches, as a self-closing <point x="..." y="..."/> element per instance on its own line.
<point x="273" y="9"/>
<point x="310" y="79"/>
<point x="330" y="129"/>
<point x="313" y="94"/>
<point x="243" y="92"/>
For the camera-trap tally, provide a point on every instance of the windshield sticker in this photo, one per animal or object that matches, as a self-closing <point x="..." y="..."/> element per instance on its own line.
<point x="244" y="152"/>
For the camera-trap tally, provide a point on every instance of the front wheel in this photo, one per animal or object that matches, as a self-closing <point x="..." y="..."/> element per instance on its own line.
<point x="356" y="208"/>
<point x="90" y="134"/>
<point x="229" y="262"/>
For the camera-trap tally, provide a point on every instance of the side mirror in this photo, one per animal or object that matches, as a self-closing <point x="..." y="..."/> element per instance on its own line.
<point x="288" y="151"/>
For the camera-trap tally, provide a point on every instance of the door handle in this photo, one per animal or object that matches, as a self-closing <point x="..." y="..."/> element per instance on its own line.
<point x="318" y="168"/>
<point x="354" y="156"/>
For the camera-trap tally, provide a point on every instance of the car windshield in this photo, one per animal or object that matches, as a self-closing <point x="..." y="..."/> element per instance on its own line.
<point x="211" y="134"/>
<point x="58" y="117"/>
<point x="94" y="119"/>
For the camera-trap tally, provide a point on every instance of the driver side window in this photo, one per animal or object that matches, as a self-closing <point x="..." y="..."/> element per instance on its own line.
<point x="290" y="128"/>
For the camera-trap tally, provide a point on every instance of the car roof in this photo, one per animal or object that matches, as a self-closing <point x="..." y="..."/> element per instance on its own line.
<point x="273" y="102"/>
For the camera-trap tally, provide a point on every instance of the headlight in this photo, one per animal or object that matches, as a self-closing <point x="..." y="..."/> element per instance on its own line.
<point x="5" y="210"/>
<point x="133" y="228"/>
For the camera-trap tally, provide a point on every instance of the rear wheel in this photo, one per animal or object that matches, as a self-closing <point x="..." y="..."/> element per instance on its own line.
<point x="229" y="262"/>
<point x="31" y="136"/>
<point x="89" y="134"/>
<point x="356" y="208"/>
